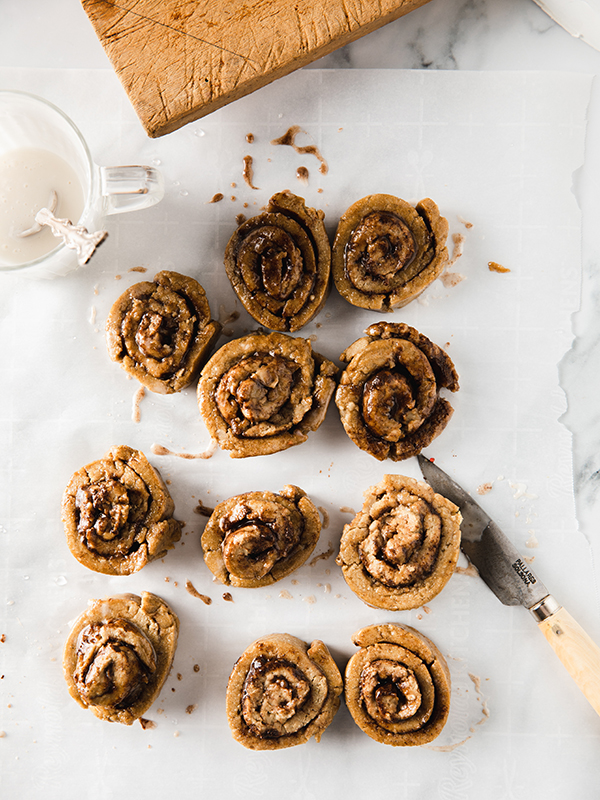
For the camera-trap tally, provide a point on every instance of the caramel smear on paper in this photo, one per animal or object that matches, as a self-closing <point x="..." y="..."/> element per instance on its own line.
<point x="137" y="399"/>
<point x="159" y="450"/>
<point x="191" y="589"/>
<point x="289" y="138"/>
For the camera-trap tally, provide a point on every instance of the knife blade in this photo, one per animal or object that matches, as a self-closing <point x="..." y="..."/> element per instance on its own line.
<point x="514" y="583"/>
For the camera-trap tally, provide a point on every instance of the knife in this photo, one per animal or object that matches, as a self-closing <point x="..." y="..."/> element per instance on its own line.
<point x="513" y="582"/>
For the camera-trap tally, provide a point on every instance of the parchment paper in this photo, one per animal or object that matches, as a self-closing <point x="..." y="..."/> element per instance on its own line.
<point x="497" y="152"/>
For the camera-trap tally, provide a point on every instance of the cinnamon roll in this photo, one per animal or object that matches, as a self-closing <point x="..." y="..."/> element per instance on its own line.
<point x="264" y="393"/>
<point x="401" y="549"/>
<point x="281" y="692"/>
<point x="386" y="252"/>
<point x="397" y="686"/>
<point x="161" y="331"/>
<point x="118" y="655"/>
<point x="257" y="538"/>
<point x="279" y="263"/>
<point x="118" y="514"/>
<point x="389" y="394"/>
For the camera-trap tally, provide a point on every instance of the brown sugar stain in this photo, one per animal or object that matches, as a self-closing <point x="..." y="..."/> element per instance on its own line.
<point x="248" y="172"/>
<point x="289" y="139"/>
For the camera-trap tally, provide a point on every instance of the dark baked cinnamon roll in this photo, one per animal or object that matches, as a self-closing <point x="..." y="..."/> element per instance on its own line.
<point x="279" y="263"/>
<point x="161" y="331"/>
<point x="257" y="538"/>
<point x="389" y="394"/>
<point x="281" y="692"/>
<point x="386" y="252"/>
<point x="397" y="686"/>
<point x="264" y="393"/>
<point x="118" y="655"/>
<point x="401" y="549"/>
<point x="118" y="514"/>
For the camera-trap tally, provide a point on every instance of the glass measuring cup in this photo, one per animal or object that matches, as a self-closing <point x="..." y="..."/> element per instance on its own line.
<point x="46" y="162"/>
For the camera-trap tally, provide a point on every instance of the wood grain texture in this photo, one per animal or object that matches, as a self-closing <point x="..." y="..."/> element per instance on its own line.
<point x="578" y="653"/>
<point x="179" y="60"/>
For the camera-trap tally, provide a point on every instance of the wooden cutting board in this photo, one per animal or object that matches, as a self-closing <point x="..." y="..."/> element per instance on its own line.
<point x="178" y="60"/>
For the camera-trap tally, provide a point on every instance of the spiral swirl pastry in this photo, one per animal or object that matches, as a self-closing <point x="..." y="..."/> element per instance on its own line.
<point x="118" y="514"/>
<point x="281" y="692"/>
<point x="161" y="332"/>
<point x="389" y="394"/>
<point x="386" y="252"/>
<point x="397" y="686"/>
<point x="257" y="538"/>
<point x="279" y="263"/>
<point x="264" y="393"/>
<point x="401" y="549"/>
<point x="118" y="655"/>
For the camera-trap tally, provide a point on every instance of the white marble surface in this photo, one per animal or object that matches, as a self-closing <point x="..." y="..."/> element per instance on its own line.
<point x="443" y="35"/>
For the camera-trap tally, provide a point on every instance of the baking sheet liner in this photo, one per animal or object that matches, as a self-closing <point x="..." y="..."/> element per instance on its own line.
<point x="497" y="152"/>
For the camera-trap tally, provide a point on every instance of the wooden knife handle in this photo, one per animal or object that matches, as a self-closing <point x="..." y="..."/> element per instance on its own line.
<point x="578" y="653"/>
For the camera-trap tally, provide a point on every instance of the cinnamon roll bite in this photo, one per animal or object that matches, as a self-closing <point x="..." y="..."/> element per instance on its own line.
<point x="279" y="263"/>
<point x="257" y="538"/>
<point x="397" y="686"/>
<point x="401" y="549"/>
<point x="264" y="393"/>
<point x="161" y="331"/>
<point x="386" y="251"/>
<point x="389" y="395"/>
<point x="118" y="514"/>
<point x="118" y="655"/>
<point x="281" y="692"/>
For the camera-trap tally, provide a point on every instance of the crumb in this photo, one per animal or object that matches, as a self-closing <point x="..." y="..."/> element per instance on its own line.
<point x="451" y="279"/>
<point x="147" y="723"/>
<point x="216" y="198"/>
<point x="196" y="667"/>
<point x="191" y="708"/>
<point x="227" y="597"/>
<point x="485" y="488"/>
<point x="493" y="266"/>
<point x="285" y="594"/>
<point x="310" y="599"/>
<point x="471" y="570"/>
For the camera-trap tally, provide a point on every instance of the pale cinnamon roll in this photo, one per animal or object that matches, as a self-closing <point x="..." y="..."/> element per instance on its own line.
<point x="161" y="331"/>
<point x="257" y="538"/>
<point x="386" y="252"/>
<point x="279" y="263"/>
<point x="282" y="692"/>
<point x="389" y="395"/>
<point x="118" y="514"/>
<point x="118" y="655"/>
<point x="401" y="549"/>
<point x="397" y="686"/>
<point x="264" y="393"/>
